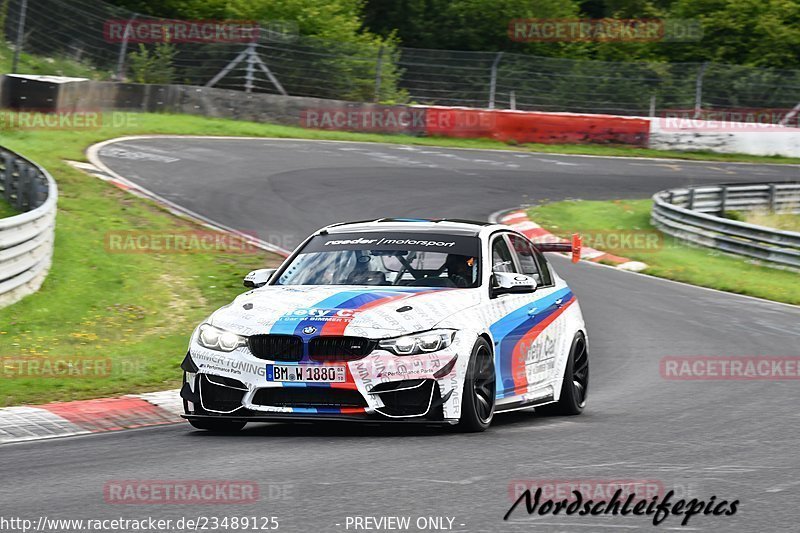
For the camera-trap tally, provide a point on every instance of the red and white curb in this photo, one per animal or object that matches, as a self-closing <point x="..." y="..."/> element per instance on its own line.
<point x="64" y="419"/>
<point x="520" y="221"/>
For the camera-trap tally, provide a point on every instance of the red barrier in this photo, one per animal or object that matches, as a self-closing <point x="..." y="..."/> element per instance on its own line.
<point x="532" y="127"/>
<point x="460" y="122"/>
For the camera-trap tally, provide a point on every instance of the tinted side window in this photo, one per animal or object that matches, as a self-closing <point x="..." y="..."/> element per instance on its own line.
<point x="502" y="260"/>
<point x="544" y="267"/>
<point x="527" y="261"/>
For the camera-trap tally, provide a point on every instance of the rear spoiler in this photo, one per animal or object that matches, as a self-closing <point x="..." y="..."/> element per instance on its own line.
<point x="573" y="246"/>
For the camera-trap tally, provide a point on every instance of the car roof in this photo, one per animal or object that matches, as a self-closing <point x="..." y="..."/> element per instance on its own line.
<point x="446" y="226"/>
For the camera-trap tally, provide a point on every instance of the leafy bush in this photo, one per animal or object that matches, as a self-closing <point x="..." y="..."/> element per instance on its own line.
<point x="153" y="66"/>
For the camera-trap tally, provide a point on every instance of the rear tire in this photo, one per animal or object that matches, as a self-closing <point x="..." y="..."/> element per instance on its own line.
<point x="477" y="406"/>
<point x="576" y="382"/>
<point x="218" y="426"/>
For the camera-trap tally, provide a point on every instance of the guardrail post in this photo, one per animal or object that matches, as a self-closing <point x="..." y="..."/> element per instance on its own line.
<point x="22" y="185"/>
<point x="39" y="188"/>
<point x="772" y="197"/>
<point x="723" y="199"/>
<point x="4" y="170"/>
<point x="8" y="186"/>
<point x="691" y="198"/>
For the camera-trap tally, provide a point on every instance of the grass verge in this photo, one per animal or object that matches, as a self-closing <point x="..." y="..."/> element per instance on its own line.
<point x="782" y="221"/>
<point x="668" y="258"/>
<point x="48" y="65"/>
<point x="124" y="319"/>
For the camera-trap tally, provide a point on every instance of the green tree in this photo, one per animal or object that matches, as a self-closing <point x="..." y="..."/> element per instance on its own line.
<point x="176" y="9"/>
<point x="477" y="25"/>
<point x="763" y="33"/>
<point x="153" y="66"/>
<point x="3" y="17"/>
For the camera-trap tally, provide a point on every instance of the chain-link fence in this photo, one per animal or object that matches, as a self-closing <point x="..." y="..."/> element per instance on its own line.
<point x="281" y="61"/>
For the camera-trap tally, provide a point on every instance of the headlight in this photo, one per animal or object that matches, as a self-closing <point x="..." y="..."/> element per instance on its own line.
<point x="424" y="342"/>
<point x="218" y="339"/>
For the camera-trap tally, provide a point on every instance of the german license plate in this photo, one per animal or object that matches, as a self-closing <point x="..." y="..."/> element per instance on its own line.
<point x="306" y="373"/>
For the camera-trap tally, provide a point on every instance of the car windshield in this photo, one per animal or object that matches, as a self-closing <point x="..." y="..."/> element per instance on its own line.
<point x="402" y="259"/>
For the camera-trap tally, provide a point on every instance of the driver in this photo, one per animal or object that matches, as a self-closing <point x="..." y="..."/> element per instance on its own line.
<point x="460" y="270"/>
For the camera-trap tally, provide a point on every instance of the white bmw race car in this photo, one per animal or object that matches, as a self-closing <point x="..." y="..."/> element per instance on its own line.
<point x="436" y="321"/>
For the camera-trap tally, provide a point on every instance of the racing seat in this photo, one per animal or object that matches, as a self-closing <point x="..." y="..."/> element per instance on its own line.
<point x="459" y="270"/>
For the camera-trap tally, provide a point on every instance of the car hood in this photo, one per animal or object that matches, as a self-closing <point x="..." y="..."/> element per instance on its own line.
<point x="374" y="312"/>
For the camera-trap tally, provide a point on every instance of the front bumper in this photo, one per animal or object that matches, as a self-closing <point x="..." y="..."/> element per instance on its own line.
<point x="378" y="387"/>
<point x="367" y="419"/>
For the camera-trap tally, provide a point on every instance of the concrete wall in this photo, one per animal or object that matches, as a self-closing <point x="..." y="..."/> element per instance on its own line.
<point x="504" y="125"/>
<point x="728" y="137"/>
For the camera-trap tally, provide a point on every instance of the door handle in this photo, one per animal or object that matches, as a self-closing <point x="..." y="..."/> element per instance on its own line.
<point x="532" y="311"/>
<point x="560" y="302"/>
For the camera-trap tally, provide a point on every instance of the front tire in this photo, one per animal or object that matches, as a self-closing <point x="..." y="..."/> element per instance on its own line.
<point x="218" y="426"/>
<point x="477" y="408"/>
<point x="575" y="385"/>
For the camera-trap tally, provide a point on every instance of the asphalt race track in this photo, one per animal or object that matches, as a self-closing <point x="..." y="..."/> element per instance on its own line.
<point x="733" y="439"/>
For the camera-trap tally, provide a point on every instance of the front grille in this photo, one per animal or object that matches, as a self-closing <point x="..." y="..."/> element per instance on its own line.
<point x="276" y="347"/>
<point x="339" y="348"/>
<point x="308" y="397"/>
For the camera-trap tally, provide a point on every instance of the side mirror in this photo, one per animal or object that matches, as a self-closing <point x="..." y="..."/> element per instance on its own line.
<point x="511" y="283"/>
<point x="258" y="278"/>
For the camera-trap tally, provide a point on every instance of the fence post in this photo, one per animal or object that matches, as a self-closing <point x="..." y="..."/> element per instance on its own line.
<point x="512" y="100"/>
<point x="698" y="90"/>
<point x="652" y="106"/>
<point x="20" y="32"/>
<point x="378" y="74"/>
<point x="493" y="81"/>
<point x="251" y="68"/>
<point x="123" y="48"/>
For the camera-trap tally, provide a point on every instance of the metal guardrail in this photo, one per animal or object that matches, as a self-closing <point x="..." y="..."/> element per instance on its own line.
<point x="696" y="214"/>
<point x="26" y="240"/>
